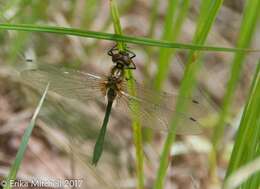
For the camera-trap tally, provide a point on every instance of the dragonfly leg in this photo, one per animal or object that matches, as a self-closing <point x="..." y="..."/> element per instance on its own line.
<point x="132" y="54"/>
<point x="132" y="66"/>
<point x="112" y="50"/>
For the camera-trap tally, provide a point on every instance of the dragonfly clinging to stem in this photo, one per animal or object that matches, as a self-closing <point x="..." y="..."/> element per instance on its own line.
<point x="152" y="108"/>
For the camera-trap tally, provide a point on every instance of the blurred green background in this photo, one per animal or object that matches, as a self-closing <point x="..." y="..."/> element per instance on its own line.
<point x="62" y="142"/>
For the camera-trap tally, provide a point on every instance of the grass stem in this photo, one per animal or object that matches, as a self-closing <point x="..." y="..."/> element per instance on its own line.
<point x="137" y="132"/>
<point x="248" y="24"/>
<point x="187" y="84"/>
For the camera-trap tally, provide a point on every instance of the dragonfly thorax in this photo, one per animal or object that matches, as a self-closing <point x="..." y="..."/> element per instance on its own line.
<point x="114" y="82"/>
<point x="113" y="87"/>
<point x="117" y="72"/>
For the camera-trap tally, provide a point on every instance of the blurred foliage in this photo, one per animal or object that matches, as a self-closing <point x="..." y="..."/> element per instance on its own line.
<point x="186" y="26"/>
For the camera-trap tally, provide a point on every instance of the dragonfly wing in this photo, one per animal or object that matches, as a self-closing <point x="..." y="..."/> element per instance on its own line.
<point x="66" y="82"/>
<point x="143" y="105"/>
<point x="167" y="99"/>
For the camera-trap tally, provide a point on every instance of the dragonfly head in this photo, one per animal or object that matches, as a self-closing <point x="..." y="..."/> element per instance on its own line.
<point x="120" y="56"/>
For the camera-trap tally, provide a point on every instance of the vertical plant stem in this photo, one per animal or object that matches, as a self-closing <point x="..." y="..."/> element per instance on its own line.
<point x="116" y="23"/>
<point x="153" y="16"/>
<point x="189" y="80"/>
<point x="172" y="27"/>
<point x="22" y="148"/>
<point x="246" y="33"/>
<point x="131" y="86"/>
<point x="150" y="34"/>
<point x="164" y="55"/>
<point x="246" y="146"/>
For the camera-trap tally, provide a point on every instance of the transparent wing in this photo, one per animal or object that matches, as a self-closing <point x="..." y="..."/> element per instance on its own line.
<point x="164" y="100"/>
<point x="68" y="83"/>
<point x="156" y="109"/>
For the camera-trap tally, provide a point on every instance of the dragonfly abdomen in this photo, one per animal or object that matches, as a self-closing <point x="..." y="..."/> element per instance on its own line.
<point x="111" y="94"/>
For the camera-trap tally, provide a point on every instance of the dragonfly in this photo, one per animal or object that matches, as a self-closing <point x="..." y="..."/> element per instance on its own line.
<point x="152" y="109"/>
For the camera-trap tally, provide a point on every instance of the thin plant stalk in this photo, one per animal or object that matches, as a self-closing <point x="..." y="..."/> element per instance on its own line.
<point x="246" y="33"/>
<point x="153" y="16"/>
<point x="172" y="27"/>
<point x="150" y="34"/>
<point x="22" y="148"/>
<point x="246" y="148"/>
<point x="251" y="13"/>
<point x="187" y="84"/>
<point x="119" y="38"/>
<point x="137" y="132"/>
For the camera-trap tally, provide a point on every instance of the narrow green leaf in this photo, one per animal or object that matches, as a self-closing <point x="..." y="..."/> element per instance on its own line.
<point x="118" y="37"/>
<point x="153" y="16"/>
<point x="242" y="174"/>
<point x="21" y="151"/>
<point x="246" y="33"/>
<point x="187" y="84"/>
<point x="137" y="132"/>
<point x="116" y="23"/>
<point x="246" y="147"/>
<point x="172" y="28"/>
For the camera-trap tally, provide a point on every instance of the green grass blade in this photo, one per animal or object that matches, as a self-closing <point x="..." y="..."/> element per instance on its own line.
<point x="19" y="156"/>
<point x="137" y="135"/>
<point x="204" y="7"/>
<point x="118" y="37"/>
<point x="153" y="16"/>
<point x="246" y="147"/>
<point x="116" y="23"/>
<point x="90" y="11"/>
<point x="246" y="32"/>
<point x="172" y="28"/>
<point x="242" y="174"/>
<point x="182" y="13"/>
<point x="18" y="7"/>
<point x="137" y="132"/>
<point x="101" y="137"/>
<point x="185" y="89"/>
